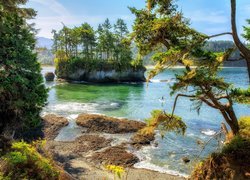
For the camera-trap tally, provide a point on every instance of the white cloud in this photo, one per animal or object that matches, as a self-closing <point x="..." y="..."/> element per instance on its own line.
<point x="209" y="17"/>
<point x="46" y="24"/>
<point x="54" y="6"/>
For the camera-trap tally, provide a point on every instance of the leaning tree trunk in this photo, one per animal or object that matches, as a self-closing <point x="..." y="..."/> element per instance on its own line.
<point x="243" y="49"/>
<point x="231" y="119"/>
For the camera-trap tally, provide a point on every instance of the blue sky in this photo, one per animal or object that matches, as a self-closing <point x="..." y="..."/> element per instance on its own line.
<point x="207" y="16"/>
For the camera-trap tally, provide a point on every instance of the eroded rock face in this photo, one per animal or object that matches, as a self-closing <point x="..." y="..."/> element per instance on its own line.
<point x="116" y="155"/>
<point x="105" y="75"/>
<point x="52" y="125"/>
<point x="100" y="123"/>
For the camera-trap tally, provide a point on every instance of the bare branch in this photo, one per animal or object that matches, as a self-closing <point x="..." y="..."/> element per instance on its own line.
<point x="221" y="34"/>
<point x="176" y="98"/>
<point x="208" y="102"/>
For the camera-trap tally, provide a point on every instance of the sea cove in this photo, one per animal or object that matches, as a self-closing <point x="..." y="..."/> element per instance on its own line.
<point x="135" y="101"/>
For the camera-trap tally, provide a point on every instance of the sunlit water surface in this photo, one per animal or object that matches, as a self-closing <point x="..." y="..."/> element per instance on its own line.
<point x="136" y="101"/>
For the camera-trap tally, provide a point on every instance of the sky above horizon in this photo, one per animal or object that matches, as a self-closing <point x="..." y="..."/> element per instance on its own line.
<point x="209" y="17"/>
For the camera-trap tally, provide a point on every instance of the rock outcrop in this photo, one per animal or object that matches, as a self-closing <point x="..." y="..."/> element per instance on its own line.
<point x="100" y="123"/>
<point x="116" y="155"/>
<point x="139" y="140"/>
<point x="52" y="125"/>
<point x="104" y="75"/>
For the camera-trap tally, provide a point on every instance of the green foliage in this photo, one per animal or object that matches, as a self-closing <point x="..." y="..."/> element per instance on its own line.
<point x="161" y="24"/>
<point x="241" y="95"/>
<point x="25" y="162"/>
<point x="246" y="34"/>
<point x="244" y="124"/>
<point x="22" y="92"/>
<point x="165" y="123"/>
<point x="235" y="145"/>
<point x="93" y="49"/>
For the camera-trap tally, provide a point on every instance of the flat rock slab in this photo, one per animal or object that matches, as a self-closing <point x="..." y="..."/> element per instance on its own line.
<point x="100" y="123"/>
<point x="116" y="155"/>
<point x="52" y="125"/>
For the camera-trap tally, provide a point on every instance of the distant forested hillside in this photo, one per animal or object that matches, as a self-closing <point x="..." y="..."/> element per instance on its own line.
<point x="44" y="42"/>
<point x="43" y="50"/>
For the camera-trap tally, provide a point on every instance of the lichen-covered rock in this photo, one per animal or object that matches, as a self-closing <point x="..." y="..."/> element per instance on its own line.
<point x="100" y="123"/>
<point x="52" y="125"/>
<point x="49" y="76"/>
<point x="116" y="155"/>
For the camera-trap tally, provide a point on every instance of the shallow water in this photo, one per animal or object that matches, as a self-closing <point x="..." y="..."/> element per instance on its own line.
<point x="136" y="101"/>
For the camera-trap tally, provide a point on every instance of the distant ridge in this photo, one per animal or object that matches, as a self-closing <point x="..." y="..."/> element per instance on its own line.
<point x="44" y="42"/>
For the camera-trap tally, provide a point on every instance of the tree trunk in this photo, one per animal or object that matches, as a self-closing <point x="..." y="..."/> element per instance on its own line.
<point x="243" y="49"/>
<point x="231" y="119"/>
<point x="248" y="66"/>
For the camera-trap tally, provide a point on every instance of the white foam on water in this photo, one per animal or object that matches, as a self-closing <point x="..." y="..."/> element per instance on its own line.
<point x="118" y="138"/>
<point x="150" y="166"/>
<point x="72" y="116"/>
<point x="155" y="80"/>
<point x="72" y="107"/>
<point x="145" y="158"/>
<point x="208" y="132"/>
<point x="70" y="132"/>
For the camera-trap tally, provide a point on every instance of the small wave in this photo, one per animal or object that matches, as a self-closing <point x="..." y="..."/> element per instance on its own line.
<point x="76" y="108"/>
<point x="73" y="107"/>
<point x="155" y="80"/>
<point x="150" y="166"/>
<point x="208" y="132"/>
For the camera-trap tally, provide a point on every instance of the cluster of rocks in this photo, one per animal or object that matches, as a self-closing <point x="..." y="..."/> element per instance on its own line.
<point x="91" y="144"/>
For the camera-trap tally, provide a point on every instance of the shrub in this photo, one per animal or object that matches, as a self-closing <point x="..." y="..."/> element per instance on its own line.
<point x="25" y="162"/>
<point x="236" y="144"/>
<point x="244" y="124"/>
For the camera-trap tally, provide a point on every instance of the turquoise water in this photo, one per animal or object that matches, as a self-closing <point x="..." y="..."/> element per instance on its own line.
<point x="136" y="101"/>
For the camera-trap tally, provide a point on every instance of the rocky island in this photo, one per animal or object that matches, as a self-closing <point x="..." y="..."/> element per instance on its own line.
<point x="100" y="56"/>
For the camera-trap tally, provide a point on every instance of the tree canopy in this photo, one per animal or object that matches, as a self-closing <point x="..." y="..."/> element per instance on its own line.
<point x="161" y="24"/>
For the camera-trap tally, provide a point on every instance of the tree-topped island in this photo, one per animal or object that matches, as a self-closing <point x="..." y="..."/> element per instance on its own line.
<point x="104" y="55"/>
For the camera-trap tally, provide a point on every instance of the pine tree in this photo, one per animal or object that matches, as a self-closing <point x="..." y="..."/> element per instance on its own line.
<point x="22" y="92"/>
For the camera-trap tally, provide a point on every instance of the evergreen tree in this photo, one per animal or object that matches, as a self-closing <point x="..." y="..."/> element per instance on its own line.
<point x="22" y="92"/>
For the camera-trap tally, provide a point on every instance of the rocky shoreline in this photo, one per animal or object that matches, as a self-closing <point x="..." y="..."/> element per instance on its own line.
<point x="87" y="156"/>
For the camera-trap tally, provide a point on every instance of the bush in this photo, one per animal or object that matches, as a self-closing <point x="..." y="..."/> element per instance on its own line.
<point x="244" y="124"/>
<point x="25" y="162"/>
<point x="235" y="145"/>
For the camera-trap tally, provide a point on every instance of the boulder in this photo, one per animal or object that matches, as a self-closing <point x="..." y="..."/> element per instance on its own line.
<point x="49" y="76"/>
<point x="100" y="123"/>
<point x="140" y="139"/>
